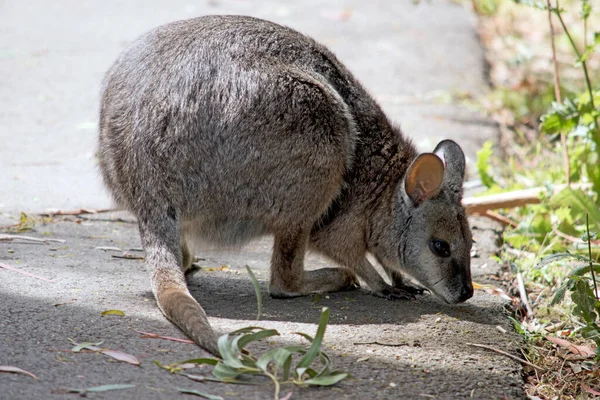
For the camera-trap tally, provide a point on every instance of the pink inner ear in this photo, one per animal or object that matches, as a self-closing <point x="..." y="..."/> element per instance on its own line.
<point x="424" y="177"/>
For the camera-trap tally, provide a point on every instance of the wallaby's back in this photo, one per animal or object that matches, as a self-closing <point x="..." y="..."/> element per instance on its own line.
<point x="255" y="104"/>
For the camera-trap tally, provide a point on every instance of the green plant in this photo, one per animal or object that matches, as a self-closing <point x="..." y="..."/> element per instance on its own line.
<point x="583" y="289"/>
<point x="277" y="364"/>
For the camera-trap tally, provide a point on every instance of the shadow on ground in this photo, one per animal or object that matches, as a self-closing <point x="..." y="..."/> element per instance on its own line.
<point x="421" y="345"/>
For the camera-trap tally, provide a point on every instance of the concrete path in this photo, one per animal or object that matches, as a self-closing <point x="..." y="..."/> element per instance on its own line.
<point x="52" y="59"/>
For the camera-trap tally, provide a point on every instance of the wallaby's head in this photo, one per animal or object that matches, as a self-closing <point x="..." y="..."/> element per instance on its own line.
<point x="435" y="245"/>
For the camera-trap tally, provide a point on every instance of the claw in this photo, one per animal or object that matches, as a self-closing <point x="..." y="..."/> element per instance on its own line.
<point x="393" y="293"/>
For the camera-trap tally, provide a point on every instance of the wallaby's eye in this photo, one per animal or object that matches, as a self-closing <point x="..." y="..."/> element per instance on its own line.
<point x="439" y="247"/>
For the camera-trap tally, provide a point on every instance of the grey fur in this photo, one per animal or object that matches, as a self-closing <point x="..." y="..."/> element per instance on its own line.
<point x="223" y="128"/>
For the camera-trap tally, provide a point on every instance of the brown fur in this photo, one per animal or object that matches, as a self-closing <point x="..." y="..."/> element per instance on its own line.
<point x="224" y="128"/>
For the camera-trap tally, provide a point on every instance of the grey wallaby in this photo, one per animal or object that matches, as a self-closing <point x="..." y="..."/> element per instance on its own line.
<point x="224" y="128"/>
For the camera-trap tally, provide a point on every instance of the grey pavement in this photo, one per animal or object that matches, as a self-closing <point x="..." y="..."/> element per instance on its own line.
<point x="52" y="59"/>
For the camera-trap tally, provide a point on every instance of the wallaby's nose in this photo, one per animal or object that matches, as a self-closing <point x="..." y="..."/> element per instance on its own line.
<point x="466" y="292"/>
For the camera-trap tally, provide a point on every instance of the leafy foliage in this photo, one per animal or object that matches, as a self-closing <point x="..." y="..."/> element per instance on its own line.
<point x="277" y="364"/>
<point x="549" y="230"/>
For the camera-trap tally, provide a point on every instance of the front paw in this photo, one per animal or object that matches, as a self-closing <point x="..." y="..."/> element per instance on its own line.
<point x="409" y="288"/>
<point x="394" y="293"/>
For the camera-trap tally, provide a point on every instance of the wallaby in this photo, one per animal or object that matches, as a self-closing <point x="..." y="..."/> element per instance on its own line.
<point x="226" y="128"/>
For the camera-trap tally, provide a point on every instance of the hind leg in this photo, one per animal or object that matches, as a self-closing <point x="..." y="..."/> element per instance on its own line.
<point x="187" y="256"/>
<point x="288" y="278"/>
<point x="161" y="240"/>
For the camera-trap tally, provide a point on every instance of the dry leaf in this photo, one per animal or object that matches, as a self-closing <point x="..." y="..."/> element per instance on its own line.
<point x="584" y="351"/>
<point x="15" y="370"/>
<point x="112" y="312"/>
<point x="492" y="290"/>
<point x="119" y="355"/>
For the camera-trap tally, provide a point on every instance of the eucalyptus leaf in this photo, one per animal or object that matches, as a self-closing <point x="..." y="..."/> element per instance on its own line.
<point x="229" y="352"/>
<point x="256" y="291"/>
<point x="253" y="337"/>
<point x="200" y="361"/>
<point x="315" y="347"/>
<point x="200" y="394"/>
<point x="102" y="388"/>
<point x="223" y="371"/>
<point x="326" y="380"/>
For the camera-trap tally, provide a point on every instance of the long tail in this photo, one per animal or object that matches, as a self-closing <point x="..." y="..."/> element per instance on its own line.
<point x="184" y="311"/>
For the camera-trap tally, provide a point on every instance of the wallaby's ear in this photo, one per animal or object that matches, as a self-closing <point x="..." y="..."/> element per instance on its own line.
<point x="424" y="178"/>
<point x="454" y="161"/>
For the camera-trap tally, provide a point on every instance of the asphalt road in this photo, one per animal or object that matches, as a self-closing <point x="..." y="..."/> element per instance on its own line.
<point x="52" y="59"/>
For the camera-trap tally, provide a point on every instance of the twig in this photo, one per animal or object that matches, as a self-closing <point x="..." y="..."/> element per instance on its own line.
<point x="500" y="218"/>
<point x="589" y="242"/>
<point x="573" y="238"/>
<point x="126" y="221"/>
<point x="483" y="346"/>
<point x="381" y="344"/>
<point x="75" y="212"/>
<point x="128" y="256"/>
<point x="523" y="294"/>
<point x="558" y="97"/>
<point x="555" y="327"/>
<point x="17" y="270"/>
<point x="29" y="239"/>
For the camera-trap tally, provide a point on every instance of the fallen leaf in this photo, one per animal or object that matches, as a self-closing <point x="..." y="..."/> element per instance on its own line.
<point x="103" y="388"/>
<point x="147" y="335"/>
<point x="108" y="248"/>
<point x="492" y="290"/>
<point x="201" y="394"/>
<point x="11" y="268"/>
<point x="575" y="367"/>
<point x="117" y="355"/>
<point x="112" y="312"/>
<point x="584" y="351"/>
<point x="120" y="356"/>
<point x="15" y="370"/>
<point x="85" y="345"/>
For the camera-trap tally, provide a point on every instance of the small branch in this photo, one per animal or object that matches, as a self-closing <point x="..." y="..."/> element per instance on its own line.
<point x="5" y="237"/>
<point x="500" y="218"/>
<point x="75" y="212"/>
<point x="558" y="97"/>
<point x="128" y="256"/>
<point x="483" y="346"/>
<point x="523" y="294"/>
<point x="589" y="242"/>
<point x="381" y="344"/>
<point x="573" y="239"/>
